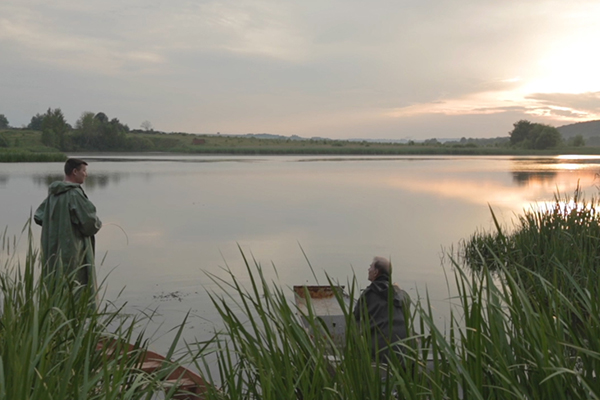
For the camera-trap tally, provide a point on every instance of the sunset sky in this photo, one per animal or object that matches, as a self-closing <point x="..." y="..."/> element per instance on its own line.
<point x="392" y="69"/>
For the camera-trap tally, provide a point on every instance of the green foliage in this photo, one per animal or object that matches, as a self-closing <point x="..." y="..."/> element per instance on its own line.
<point x="53" y="344"/>
<point x="534" y="136"/>
<point x="499" y="343"/>
<point x="432" y="142"/>
<point x="56" y="127"/>
<point x="520" y="131"/>
<point x="565" y="233"/>
<point x="3" y="141"/>
<point x="139" y="144"/>
<point x="36" y="122"/>
<point x="28" y="156"/>
<point x="97" y="132"/>
<point x="49" y="138"/>
<point x="577" y="141"/>
<point x="3" y="121"/>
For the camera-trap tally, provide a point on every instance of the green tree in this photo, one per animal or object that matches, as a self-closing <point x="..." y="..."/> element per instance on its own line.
<point x="577" y="141"/>
<point x="534" y="136"/>
<point x="3" y="121"/>
<point x="97" y="132"/>
<point x="49" y="138"/>
<point x="36" y="122"/>
<point x="520" y="131"/>
<point x="545" y="137"/>
<point x="54" y="121"/>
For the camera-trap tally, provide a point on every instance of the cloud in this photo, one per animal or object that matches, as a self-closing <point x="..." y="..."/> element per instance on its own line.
<point x="310" y="67"/>
<point x="27" y="36"/>
<point x="584" y="103"/>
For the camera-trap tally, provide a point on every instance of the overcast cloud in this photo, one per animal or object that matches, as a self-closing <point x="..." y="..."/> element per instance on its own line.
<point x="340" y="69"/>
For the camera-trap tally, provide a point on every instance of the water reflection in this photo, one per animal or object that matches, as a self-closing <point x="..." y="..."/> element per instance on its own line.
<point x="93" y="181"/>
<point x="171" y="220"/>
<point x="556" y="171"/>
<point x="524" y="178"/>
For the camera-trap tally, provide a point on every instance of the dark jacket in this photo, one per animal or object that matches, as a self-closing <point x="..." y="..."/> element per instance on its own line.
<point x="384" y="322"/>
<point x="69" y="223"/>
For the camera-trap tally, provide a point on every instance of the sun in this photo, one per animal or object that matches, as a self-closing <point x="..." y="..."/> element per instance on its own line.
<point x="571" y="62"/>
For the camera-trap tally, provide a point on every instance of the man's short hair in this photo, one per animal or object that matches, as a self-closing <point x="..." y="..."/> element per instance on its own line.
<point x="382" y="264"/>
<point x="73" y="164"/>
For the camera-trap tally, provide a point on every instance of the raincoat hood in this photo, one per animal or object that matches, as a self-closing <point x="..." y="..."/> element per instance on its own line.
<point x="60" y="187"/>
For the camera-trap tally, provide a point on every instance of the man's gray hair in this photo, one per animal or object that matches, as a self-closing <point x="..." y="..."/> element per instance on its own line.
<point x="382" y="264"/>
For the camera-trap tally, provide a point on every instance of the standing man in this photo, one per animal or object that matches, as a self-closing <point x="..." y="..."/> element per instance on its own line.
<point x="69" y="223"/>
<point x="380" y="311"/>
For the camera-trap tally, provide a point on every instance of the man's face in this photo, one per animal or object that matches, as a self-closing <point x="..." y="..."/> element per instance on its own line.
<point x="79" y="174"/>
<point x="373" y="272"/>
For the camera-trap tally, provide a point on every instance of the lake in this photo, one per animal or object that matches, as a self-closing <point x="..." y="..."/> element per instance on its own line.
<point x="169" y="220"/>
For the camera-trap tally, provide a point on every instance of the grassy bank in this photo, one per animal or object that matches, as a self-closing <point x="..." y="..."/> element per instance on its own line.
<point x="18" y="145"/>
<point x="29" y="156"/>
<point x="30" y="141"/>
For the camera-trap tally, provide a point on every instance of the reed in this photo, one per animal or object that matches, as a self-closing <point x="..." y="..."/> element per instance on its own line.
<point x="498" y="343"/>
<point x="51" y="339"/>
<point x="559" y="241"/>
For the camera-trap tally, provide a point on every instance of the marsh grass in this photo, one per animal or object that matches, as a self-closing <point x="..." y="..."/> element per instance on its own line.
<point x="559" y="241"/>
<point x="498" y="343"/>
<point x="53" y="345"/>
<point x="17" y="155"/>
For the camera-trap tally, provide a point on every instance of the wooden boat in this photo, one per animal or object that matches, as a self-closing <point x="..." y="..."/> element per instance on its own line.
<point x="322" y="301"/>
<point x="186" y="384"/>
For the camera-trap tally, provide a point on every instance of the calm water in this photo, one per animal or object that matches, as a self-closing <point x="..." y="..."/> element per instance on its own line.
<point x="171" y="219"/>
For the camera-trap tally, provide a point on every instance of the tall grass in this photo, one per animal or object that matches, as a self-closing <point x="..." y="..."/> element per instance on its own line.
<point x="559" y="241"/>
<point x="53" y="345"/>
<point x="498" y="343"/>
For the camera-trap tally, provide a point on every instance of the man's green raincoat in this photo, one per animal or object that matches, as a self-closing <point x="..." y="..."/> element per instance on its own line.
<point x="69" y="223"/>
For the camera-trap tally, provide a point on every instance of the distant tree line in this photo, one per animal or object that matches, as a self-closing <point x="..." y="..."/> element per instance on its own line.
<point x="95" y="132"/>
<point x="530" y="135"/>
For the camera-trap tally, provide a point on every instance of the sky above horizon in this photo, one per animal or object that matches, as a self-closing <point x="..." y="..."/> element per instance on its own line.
<point x="340" y="69"/>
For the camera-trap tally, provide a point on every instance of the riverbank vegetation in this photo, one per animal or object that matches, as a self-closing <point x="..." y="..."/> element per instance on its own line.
<point x="499" y="343"/>
<point x="525" y="324"/>
<point x="96" y="132"/>
<point x="558" y="240"/>
<point x="500" y="340"/>
<point x="51" y="340"/>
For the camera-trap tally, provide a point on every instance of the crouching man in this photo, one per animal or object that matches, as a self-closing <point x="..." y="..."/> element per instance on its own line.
<point x="380" y="312"/>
